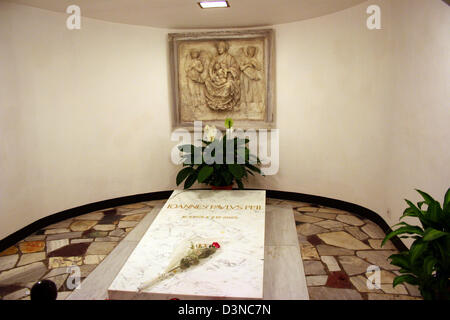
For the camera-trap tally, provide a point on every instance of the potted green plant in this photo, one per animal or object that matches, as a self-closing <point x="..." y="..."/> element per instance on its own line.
<point x="427" y="262"/>
<point x="197" y="164"/>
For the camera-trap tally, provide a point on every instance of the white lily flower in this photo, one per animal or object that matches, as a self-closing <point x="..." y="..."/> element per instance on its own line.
<point x="210" y="133"/>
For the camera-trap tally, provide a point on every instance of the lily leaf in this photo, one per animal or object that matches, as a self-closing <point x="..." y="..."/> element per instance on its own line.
<point x="228" y="177"/>
<point x="183" y="174"/>
<point x="236" y="170"/>
<point x="190" y="181"/>
<point x="204" y="173"/>
<point x="253" y="168"/>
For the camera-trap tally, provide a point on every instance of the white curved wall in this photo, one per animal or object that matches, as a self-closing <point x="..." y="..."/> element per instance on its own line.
<point x="85" y="115"/>
<point x="419" y="120"/>
<point x="365" y="115"/>
<point x="333" y="100"/>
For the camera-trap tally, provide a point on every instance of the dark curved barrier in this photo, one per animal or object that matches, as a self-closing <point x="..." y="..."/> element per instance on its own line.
<point x="160" y="195"/>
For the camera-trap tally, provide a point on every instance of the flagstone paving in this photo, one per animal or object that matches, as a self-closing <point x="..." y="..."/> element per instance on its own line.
<point x="346" y="245"/>
<point x="49" y="253"/>
<point x="337" y="247"/>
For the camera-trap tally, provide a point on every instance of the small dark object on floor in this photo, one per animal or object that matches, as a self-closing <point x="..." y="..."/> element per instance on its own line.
<point x="44" y="290"/>
<point x="338" y="279"/>
<point x="314" y="240"/>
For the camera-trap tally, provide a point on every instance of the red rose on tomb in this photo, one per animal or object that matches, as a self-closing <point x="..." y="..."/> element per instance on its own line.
<point x="216" y="245"/>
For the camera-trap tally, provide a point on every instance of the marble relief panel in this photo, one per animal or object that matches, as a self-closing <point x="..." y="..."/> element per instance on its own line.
<point x="222" y="77"/>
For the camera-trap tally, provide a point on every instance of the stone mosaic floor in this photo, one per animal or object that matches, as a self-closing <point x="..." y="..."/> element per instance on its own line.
<point x="83" y="241"/>
<point x="336" y="247"/>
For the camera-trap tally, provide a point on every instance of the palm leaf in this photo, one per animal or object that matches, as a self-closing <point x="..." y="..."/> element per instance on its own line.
<point x="402" y="230"/>
<point x="446" y="204"/>
<point x="428" y="199"/>
<point x="400" y="260"/>
<point x="416" y="251"/>
<point x="411" y="211"/>
<point x="405" y="278"/>
<point x="428" y="265"/>
<point x="433" y="234"/>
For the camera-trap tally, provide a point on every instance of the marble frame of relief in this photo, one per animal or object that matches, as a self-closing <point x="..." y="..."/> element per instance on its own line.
<point x="221" y="74"/>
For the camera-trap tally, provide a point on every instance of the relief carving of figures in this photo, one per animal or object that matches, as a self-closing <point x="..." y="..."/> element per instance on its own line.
<point x="195" y="73"/>
<point x="251" y="75"/>
<point x="219" y="77"/>
<point x="222" y="86"/>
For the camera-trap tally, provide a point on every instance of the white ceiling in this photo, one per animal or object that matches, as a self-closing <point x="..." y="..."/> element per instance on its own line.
<point x="186" y="14"/>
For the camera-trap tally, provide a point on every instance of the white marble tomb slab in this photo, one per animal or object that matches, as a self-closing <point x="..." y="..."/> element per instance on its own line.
<point x="235" y="219"/>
